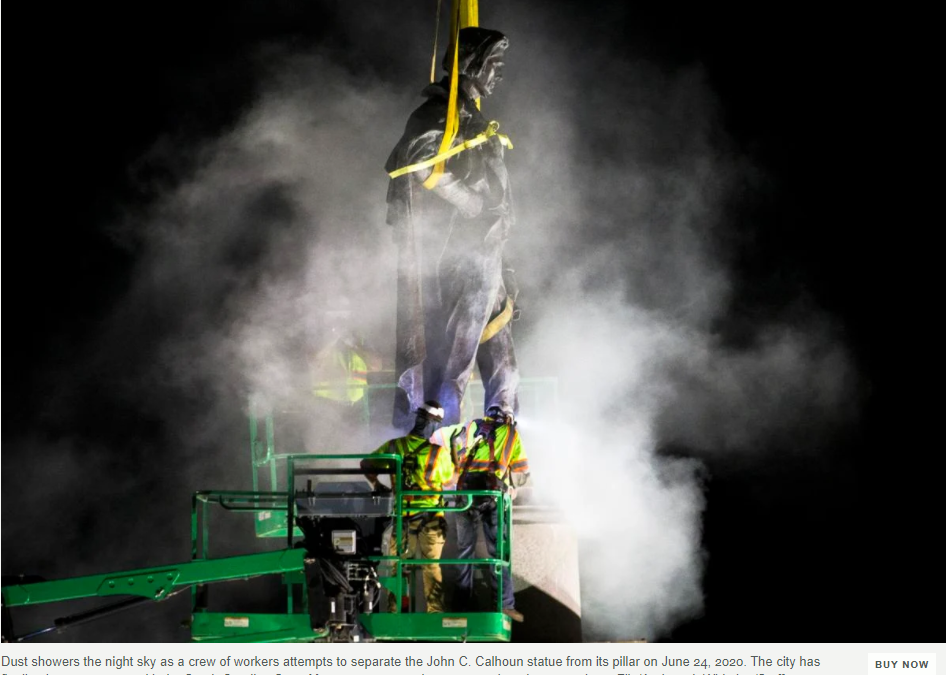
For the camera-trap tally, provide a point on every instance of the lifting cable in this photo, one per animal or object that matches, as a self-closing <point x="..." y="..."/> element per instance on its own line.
<point x="433" y="57"/>
<point x="453" y="115"/>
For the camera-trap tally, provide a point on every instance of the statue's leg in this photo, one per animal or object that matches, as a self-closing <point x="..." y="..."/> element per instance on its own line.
<point x="496" y="359"/>
<point x="468" y="285"/>
<point x="435" y="327"/>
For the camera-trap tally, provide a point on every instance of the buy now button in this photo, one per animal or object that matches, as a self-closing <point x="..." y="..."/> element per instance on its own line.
<point x="901" y="662"/>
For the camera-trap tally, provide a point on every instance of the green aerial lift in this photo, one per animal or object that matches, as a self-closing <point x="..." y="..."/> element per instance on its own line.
<point x="327" y="529"/>
<point x="333" y="567"/>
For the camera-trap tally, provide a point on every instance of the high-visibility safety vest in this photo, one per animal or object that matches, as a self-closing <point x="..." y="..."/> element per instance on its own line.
<point x="352" y="380"/>
<point x="484" y="446"/>
<point x="424" y="466"/>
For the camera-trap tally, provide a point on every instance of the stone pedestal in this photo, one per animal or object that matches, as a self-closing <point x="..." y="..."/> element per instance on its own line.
<point x="545" y="574"/>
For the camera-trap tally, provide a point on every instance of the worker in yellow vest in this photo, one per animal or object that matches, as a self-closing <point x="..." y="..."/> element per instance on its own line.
<point x="339" y="370"/>
<point x="489" y="456"/>
<point x="340" y="374"/>
<point x="424" y="467"/>
<point x="339" y="361"/>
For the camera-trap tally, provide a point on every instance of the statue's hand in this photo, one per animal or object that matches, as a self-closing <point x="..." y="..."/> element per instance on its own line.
<point x="471" y="207"/>
<point x="467" y="202"/>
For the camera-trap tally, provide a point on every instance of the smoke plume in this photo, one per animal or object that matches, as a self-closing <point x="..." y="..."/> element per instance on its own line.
<point x="625" y="186"/>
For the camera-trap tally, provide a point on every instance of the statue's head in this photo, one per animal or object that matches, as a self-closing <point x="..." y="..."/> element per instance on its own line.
<point x="480" y="57"/>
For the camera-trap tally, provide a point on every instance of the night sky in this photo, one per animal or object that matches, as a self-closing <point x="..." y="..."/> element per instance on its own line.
<point x="809" y="540"/>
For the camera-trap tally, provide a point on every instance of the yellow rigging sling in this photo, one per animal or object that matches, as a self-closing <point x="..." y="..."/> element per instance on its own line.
<point x="465" y="13"/>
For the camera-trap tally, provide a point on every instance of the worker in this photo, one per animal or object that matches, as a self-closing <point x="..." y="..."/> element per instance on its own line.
<point x="339" y="361"/>
<point x="424" y="467"/>
<point x="455" y="288"/>
<point x="489" y="456"/>
<point x="339" y="370"/>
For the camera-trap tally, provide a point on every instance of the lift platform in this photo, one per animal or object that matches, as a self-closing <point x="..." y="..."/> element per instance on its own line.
<point x="270" y="446"/>
<point x="333" y="569"/>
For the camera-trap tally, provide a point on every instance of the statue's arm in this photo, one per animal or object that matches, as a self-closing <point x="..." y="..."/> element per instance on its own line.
<point x="450" y="188"/>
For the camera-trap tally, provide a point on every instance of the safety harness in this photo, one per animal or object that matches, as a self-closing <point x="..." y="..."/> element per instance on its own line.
<point x="502" y="464"/>
<point x="409" y="466"/>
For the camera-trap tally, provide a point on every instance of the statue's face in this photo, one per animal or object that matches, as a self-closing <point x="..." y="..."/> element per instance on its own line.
<point x="491" y="74"/>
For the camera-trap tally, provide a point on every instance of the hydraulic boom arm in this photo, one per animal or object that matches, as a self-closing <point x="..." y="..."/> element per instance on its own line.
<point x="155" y="583"/>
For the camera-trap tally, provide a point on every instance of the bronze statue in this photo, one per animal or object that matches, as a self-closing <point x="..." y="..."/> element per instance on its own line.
<point x="450" y="243"/>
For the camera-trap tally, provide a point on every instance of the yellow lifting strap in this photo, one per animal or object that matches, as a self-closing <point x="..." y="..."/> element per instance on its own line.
<point x="464" y="13"/>
<point x="453" y="115"/>
<point x="498" y="322"/>
<point x="469" y="13"/>
<point x="470" y="16"/>
<point x="443" y="155"/>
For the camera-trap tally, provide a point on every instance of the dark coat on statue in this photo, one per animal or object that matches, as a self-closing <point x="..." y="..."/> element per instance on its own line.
<point x="450" y="267"/>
